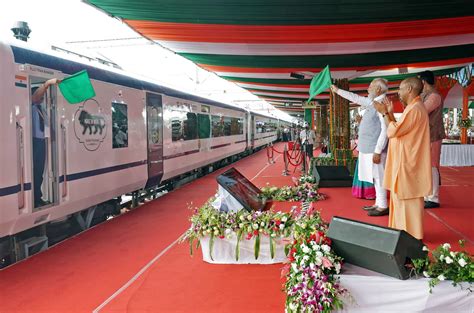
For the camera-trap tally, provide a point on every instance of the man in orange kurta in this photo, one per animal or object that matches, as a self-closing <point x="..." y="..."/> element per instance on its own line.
<point x="408" y="167"/>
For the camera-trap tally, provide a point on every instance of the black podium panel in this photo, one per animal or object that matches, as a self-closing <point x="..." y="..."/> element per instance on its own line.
<point x="332" y="176"/>
<point x="381" y="249"/>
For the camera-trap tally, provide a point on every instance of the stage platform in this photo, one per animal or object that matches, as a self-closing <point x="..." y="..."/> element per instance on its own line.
<point x="133" y="263"/>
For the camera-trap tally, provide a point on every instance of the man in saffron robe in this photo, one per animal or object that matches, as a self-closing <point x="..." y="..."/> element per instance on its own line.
<point x="408" y="167"/>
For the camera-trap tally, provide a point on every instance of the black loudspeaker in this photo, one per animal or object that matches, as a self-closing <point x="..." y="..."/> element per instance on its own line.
<point x="332" y="176"/>
<point x="381" y="249"/>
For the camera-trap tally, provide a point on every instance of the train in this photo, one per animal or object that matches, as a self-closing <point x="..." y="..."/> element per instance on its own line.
<point x="134" y="137"/>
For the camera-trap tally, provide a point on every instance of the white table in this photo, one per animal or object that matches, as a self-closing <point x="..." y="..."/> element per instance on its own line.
<point x="457" y="155"/>
<point x="374" y="293"/>
<point x="223" y="251"/>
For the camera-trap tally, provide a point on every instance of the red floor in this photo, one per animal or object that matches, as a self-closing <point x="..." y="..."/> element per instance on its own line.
<point x="82" y="273"/>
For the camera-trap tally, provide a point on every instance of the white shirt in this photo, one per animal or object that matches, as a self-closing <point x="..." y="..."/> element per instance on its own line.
<point x="307" y="136"/>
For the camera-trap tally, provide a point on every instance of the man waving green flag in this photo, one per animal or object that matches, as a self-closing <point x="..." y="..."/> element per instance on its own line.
<point x="77" y="88"/>
<point x="319" y="83"/>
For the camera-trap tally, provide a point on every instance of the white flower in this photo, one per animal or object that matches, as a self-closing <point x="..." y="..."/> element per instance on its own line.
<point x="294" y="267"/>
<point x="228" y="231"/>
<point x="337" y="266"/>
<point x="262" y="224"/>
<point x="318" y="261"/>
<point x="441" y="277"/>
<point x="306" y="258"/>
<point x="316" y="247"/>
<point x="303" y="225"/>
<point x="425" y="273"/>
<point x="311" y="265"/>
<point x="241" y="225"/>
<point x="249" y="217"/>
<point x="462" y="262"/>
<point x="453" y="254"/>
<point x="255" y="226"/>
<point x="302" y="262"/>
<point x="441" y="257"/>
<point x="448" y="260"/>
<point x="319" y="254"/>
<point x="282" y="226"/>
<point x="242" y="218"/>
<point x="306" y="249"/>
<point x="425" y="248"/>
<point x="284" y="218"/>
<point x="326" y="248"/>
<point x="446" y="246"/>
<point x="293" y="306"/>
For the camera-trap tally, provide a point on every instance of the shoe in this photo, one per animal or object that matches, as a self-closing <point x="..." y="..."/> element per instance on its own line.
<point x="369" y="207"/>
<point x="431" y="205"/>
<point x="376" y="212"/>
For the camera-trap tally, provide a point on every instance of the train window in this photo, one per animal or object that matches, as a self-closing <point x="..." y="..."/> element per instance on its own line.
<point x="184" y="126"/>
<point x="227" y="126"/>
<point x="236" y="126"/>
<point x="205" y="108"/>
<point x="204" y="126"/>
<point x="217" y="126"/>
<point x="190" y="126"/>
<point x="119" y="125"/>
<point x="260" y="125"/>
<point x="176" y="129"/>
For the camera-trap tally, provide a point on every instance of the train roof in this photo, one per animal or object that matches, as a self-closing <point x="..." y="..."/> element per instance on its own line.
<point x="24" y="54"/>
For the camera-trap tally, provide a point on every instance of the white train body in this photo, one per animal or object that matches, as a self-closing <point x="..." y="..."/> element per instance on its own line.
<point x="87" y="163"/>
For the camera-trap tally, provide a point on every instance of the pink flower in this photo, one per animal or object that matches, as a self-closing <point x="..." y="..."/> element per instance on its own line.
<point x="326" y="262"/>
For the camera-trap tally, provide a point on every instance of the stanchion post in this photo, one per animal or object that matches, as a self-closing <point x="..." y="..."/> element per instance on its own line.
<point x="285" y="160"/>
<point x="272" y="160"/>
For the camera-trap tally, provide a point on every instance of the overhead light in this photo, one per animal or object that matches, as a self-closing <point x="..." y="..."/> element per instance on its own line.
<point x="296" y="75"/>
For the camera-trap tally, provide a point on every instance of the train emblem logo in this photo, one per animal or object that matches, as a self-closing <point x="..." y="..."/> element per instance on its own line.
<point x="89" y="125"/>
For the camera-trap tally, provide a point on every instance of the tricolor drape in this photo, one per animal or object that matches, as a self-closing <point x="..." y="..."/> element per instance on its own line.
<point x="258" y="43"/>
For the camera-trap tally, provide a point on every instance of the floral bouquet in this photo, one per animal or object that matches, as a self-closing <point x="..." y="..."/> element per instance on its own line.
<point x="445" y="264"/>
<point x="304" y="192"/>
<point x="207" y="221"/>
<point x="311" y="281"/>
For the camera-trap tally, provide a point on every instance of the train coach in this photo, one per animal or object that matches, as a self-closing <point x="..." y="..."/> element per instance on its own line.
<point x="133" y="137"/>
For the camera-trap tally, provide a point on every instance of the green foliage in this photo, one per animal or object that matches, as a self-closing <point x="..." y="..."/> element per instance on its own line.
<point x="444" y="264"/>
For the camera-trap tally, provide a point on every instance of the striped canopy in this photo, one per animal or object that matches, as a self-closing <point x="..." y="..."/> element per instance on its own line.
<point x="258" y="44"/>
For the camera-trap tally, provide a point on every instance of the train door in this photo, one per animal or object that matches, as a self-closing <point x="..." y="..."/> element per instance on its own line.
<point x="252" y="131"/>
<point x="154" y="118"/>
<point x="44" y="139"/>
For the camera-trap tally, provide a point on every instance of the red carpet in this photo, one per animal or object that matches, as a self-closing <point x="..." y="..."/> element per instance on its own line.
<point x="81" y="273"/>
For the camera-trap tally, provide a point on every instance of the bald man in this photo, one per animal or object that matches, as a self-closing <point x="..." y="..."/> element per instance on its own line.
<point x="408" y="167"/>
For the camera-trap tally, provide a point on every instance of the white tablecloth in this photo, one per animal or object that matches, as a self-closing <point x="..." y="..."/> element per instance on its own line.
<point x="457" y="155"/>
<point x="223" y="251"/>
<point x="372" y="292"/>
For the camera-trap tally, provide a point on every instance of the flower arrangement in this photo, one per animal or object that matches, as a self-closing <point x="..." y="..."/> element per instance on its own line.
<point x="207" y="221"/>
<point x="465" y="123"/>
<point x="445" y="264"/>
<point x="305" y="190"/>
<point x="311" y="281"/>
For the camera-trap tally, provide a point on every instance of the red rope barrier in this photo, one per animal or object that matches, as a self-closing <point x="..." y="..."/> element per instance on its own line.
<point x="298" y="162"/>
<point x="273" y="148"/>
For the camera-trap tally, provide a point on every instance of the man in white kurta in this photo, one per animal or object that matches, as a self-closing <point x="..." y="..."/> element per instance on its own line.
<point x="372" y="142"/>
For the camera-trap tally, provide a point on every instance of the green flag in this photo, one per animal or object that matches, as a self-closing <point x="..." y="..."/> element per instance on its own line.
<point x="77" y="88"/>
<point x="319" y="83"/>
